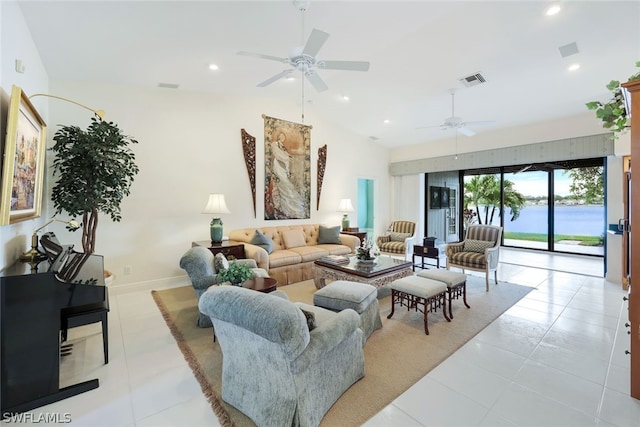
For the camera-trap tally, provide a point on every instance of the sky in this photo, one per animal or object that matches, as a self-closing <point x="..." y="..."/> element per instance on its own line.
<point x="535" y="183"/>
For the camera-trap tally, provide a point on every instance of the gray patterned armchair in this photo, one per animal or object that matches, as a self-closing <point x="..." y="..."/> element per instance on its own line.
<point x="479" y="251"/>
<point x="199" y="265"/>
<point x="274" y="370"/>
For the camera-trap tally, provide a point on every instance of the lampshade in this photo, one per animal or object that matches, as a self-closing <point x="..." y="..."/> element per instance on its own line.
<point x="216" y="205"/>
<point x="345" y="205"/>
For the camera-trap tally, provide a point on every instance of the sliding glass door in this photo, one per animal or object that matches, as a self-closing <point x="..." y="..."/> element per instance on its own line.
<point x="550" y="206"/>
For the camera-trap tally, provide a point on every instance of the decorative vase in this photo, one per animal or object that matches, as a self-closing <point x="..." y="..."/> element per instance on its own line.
<point x="216" y="230"/>
<point x="345" y="222"/>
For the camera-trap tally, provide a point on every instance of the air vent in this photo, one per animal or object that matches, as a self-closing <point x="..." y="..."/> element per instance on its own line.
<point x="473" y="80"/>
<point x="568" y="49"/>
<point x="169" y="85"/>
<point x="373" y="138"/>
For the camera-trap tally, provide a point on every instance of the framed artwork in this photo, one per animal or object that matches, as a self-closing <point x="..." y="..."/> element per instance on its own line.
<point x="287" y="183"/>
<point x="435" y="197"/>
<point x="23" y="165"/>
<point x="444" y="197"/>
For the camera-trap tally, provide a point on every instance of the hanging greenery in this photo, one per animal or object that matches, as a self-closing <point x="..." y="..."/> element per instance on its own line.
<point x="95" y="170"/>
<point x="613" y="113"/>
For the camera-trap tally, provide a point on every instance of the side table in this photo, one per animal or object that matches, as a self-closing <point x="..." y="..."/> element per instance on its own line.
<point x="261" y="284"/>
<point x="362" y="235"/>
<point x="425" y="252"/>
<point x="229" y="248"/>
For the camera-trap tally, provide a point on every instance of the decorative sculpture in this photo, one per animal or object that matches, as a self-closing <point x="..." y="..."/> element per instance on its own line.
<point x="322" y="162"/>
<point x="249" y="149"/>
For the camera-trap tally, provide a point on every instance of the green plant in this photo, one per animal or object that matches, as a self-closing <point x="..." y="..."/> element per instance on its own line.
<point x="95" y="170"/>
<point x="613" y="113"/>
<point x="236" y="274"/>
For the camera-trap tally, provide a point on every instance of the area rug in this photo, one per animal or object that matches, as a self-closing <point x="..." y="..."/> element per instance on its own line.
<point x="396" y="356"/>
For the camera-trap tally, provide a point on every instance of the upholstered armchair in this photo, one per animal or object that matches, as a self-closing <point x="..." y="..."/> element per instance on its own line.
<point x="479" y="251"/>
<point x="396" y="240"/>
<point x="199" y="264"/>
<point x="274" y="370"/>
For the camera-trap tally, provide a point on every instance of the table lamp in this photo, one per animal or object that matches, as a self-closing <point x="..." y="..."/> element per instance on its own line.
<point x="345" y="207"/>
<point x="216" y="206"/>
<point x="33" y="256"/>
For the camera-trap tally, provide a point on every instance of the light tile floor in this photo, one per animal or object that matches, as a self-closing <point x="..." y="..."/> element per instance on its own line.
<point x="556" y="358"/>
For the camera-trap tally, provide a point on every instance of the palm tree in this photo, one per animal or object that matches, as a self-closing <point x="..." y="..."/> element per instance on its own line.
<point x="485" y="190"/>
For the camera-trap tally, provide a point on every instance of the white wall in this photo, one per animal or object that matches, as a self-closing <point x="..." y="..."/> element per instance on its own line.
<point x="190" y="146"/>
<point x="16" y="43"/>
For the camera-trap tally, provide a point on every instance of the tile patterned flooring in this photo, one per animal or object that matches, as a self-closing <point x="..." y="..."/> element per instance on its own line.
<point x="556" y="358"/>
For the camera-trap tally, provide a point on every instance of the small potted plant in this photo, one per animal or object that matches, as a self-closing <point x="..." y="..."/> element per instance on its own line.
<point x="237" y="274"/>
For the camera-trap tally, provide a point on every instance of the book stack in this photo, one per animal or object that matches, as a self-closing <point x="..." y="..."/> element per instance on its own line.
<point x="336" y="259"/>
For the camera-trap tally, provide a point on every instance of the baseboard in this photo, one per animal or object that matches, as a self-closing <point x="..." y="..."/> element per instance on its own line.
<point x="149" y="285"/>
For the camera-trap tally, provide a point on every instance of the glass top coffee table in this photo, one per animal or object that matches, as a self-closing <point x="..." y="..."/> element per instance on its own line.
<point x="382" y="271"/>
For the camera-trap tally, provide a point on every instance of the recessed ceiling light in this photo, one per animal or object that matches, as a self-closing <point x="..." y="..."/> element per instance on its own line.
<point x="291" y="78"/>
<point x="213" y="67"/>
<point x="573" y="67"/>
<point x="345" y="98"/>
<point x="386" y="121"/>
<point x="553" y="10"/>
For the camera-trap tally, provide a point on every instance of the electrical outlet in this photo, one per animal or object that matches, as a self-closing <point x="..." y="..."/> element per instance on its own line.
<point x="127" y="270"/>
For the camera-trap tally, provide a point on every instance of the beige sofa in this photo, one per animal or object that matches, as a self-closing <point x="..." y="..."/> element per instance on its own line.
<point x="293" y="264"/>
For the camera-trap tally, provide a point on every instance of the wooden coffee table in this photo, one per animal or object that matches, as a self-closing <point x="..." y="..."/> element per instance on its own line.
<point x="261" y="284"/>
<point x="384" y="271"/>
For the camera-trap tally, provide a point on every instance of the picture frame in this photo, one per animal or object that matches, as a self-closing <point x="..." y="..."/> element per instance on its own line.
<point x="23" y="164"/>
<point x="444" y="197"/>
<point x="435" y="197"/>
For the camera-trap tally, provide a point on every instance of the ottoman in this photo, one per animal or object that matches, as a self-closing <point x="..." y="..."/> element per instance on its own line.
<point x="456" y="284"/>
<point x="363" y="298"/>
<point x="420" y="294"/>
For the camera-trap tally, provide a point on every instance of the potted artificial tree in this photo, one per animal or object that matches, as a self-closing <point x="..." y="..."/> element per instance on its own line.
<point x="95" y="169"/>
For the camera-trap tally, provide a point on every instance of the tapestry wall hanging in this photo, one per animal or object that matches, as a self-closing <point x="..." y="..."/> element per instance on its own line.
<point x="287" y="183"/>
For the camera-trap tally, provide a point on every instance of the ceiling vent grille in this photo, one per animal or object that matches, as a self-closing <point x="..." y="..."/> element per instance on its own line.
<point x="169" y="85"/>
<point x="473" y="80"/>
<point x="568" y="49"/>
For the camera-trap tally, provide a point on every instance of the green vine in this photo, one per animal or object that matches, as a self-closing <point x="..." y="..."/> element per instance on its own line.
<point x="613" y="113"/>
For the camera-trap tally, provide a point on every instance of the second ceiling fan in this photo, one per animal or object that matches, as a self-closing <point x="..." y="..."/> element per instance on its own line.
<point x="457" y="123"/>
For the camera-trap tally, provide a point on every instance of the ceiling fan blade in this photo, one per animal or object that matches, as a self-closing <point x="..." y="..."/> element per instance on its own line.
<point x="316" y="82"/>
<point x="344" y="65"/>
<point x="480" y="123"/>
<point x="468" y="132"/>
<point x="430" y="127"/>
<point x="274" y="78"/>
<point x="260" y="55"/>
<point x="315" y="42"/>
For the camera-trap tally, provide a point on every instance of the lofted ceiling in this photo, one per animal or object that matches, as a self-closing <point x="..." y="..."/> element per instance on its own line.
<point x="417" y="51"/>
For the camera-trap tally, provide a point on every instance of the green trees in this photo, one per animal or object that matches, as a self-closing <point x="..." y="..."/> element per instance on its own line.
<point x="587" y="183"/>
<point x="484" y="190"/>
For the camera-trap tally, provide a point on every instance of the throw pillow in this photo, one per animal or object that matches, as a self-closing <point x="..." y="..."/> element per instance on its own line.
<point x="263" y="241"/>
<point x="398" y="237"/>
<point x="471" y="245"/>
<point x="293" y="238"/>
<point x="311" y="319"/>
<point x="220" y="262"/>
<point x="329" y="235"/>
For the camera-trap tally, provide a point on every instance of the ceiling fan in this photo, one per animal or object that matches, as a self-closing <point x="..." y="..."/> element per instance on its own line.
<point x="457" y="123"/>
<point x="304" y="59"/>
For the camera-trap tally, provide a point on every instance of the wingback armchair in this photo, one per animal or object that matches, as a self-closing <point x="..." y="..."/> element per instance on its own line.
<point x="396" y="240"/>
<point x="274" y="369"/>
<point x="198" y="262"/>
<point x="479" y="251"/>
